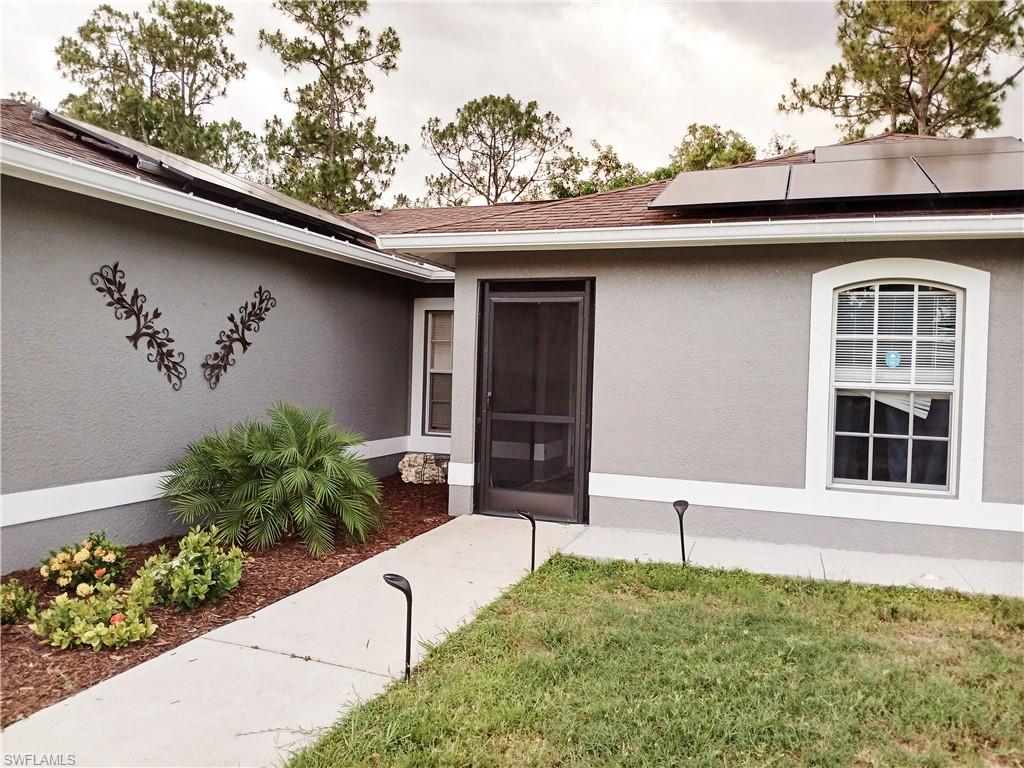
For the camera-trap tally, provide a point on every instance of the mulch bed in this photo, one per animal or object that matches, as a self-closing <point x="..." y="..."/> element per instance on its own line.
<point x="33" y="675"/>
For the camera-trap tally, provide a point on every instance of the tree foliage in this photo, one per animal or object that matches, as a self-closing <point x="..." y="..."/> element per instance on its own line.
<point x="780" y="144"/>
<point x="24" y="97"/>
<point x="922" y="66"/>
<point x="574" y="174"/>
<point x="497" y="149"/>
<point x="330" y="153"/>
<point x="150" y="77"/>
<point x="709" y="146"/>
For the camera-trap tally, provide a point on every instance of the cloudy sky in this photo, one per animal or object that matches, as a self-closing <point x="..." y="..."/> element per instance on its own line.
<point x="630" y="74"/>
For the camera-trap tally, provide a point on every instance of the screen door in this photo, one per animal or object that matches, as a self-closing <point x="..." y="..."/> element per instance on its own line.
<point x="534" y="402"/>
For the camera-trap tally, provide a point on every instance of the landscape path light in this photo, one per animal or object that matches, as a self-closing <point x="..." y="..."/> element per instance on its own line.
<point x="533" y="539"/>
<point x="681" y="507"/>
<point x="402" y="585"/>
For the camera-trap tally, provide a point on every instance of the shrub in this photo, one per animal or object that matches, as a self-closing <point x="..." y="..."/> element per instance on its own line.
<point x="16" y="602"/>
<point x="260" y="482"/>
<point x="97" y="560"/>
<point x="109" y="617"/>
<point x="201" y="571"/>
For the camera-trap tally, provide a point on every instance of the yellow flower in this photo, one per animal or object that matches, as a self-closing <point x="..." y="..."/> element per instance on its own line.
<point x="110" y="557"/>
<point x="63" y="581"/>
<point x="99" y="551"/>
<point x="81" y="555"/>
<point x="44" y="571"/>
<point x="63" y="556"/>
<point x="83" y="590"/>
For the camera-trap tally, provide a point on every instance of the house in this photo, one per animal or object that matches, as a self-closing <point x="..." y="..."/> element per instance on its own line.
<point x="89" y="420"/>
<point x="822" y="348"/>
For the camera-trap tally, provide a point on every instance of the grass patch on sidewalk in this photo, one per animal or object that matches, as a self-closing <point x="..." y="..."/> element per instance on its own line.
<point x="627" y="664"/>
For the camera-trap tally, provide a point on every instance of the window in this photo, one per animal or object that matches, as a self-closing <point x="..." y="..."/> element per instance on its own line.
<point x="895" y="371"/>
<point x="438" y="373"/>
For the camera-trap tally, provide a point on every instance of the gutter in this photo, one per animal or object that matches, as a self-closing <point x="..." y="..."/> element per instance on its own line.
<point x="863" y="229"/>
<point x="32" y="164"/>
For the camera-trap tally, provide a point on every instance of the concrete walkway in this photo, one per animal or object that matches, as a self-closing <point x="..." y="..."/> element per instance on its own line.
<point x="970" y="576"/>
<point x="250" y="692"/>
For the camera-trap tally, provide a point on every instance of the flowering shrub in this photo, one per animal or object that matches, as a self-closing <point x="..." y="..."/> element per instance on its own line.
<point x="201" y="571"/>
<point x="95" y="561"/>
<point x="16" y="602"/>
<point x="109" y="617"/>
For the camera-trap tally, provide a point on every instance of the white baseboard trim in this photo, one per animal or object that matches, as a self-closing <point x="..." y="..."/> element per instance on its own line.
<point x="46" y="503"/>
<point x="388" y="446"/>
<point x="891" y="508"/>
<point x="460" y="473"/>
<point x="429" y="444"/>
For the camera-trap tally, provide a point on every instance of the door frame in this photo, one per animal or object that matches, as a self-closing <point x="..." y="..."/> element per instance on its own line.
<point x="576" y="289"/>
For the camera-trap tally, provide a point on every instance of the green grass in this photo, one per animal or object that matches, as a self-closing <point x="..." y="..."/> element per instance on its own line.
<point x="625" y="664"/>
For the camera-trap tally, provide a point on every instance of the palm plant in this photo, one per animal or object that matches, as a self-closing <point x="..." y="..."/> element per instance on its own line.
<point x="260" y="482"/>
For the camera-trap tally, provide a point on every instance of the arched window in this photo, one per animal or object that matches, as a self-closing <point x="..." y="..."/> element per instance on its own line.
<point x="896" y="349"/>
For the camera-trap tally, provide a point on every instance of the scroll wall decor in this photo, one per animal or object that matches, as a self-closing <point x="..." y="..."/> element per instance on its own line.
<point x="109" y="280"/>
<point x="250" y="315"/>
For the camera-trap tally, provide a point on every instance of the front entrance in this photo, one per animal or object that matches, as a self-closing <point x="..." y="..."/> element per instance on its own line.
<point x="534" y="426"/>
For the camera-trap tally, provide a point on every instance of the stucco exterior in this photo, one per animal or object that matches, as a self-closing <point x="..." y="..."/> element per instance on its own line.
<point x="701" y="365"/>
<point x="80" y="404"/>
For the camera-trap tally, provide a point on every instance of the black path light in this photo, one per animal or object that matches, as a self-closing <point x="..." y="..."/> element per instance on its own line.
<point x="533" y="537"/>
<point x="681" y="507"/>
<point x="402" y="585"/>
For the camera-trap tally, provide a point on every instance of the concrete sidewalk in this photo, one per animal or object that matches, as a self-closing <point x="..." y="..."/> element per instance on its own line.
<point x="970" y="576"/>
<point x="250" y="692"/>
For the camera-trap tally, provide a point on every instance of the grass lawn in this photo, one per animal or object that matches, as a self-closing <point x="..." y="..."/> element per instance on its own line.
<point x="625" y="664"/>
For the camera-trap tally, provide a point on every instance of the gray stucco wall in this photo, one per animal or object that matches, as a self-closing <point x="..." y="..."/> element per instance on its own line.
<point x="812" y="530"/>
<point x="79" y="404"/>
<point x="701" y="355"/>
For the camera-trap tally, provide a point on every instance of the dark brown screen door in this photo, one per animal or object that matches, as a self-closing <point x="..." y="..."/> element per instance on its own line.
<point x="534" y="400"/>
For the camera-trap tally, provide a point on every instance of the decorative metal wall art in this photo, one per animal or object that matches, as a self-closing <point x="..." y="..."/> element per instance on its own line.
<point x="109" y="280"/>
<point x="250" y="315"/>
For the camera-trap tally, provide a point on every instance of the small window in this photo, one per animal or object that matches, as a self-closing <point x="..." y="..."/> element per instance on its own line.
<point x="895" y="371"/>
<point x="438" y="373"/>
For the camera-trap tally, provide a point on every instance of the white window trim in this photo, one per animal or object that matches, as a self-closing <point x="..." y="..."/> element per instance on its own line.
<point x="975" y="285"/>
<point x="952" y="459"/>
<point x="420" y="441"/>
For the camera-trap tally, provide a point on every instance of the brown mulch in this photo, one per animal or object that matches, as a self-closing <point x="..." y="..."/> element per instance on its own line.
<point x="33" y="675"/>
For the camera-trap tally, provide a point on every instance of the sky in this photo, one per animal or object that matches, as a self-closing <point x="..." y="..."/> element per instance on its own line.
<point x="632" y="75"/>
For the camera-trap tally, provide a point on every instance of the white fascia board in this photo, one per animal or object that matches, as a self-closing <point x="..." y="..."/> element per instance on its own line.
<point x="873" y="229"/>
<point x="47" y="168"/>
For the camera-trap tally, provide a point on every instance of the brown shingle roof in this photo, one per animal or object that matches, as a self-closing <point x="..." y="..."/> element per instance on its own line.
<point x="18" y="124"/>
<point x="628" y="207"/>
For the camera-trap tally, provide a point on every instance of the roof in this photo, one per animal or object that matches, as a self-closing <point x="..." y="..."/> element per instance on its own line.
<point x="631" y="206"/>
<point x="62" y="136"/>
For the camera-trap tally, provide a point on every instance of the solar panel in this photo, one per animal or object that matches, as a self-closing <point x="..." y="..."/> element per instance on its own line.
<point x="916" y="147"/>
<point x="961" y="174"/>
<point x="206" y="173"/>
<point x="724" y="186"/>
<point x="859" y="178"/>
